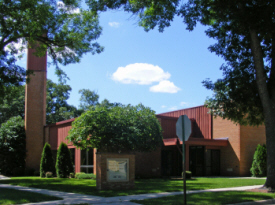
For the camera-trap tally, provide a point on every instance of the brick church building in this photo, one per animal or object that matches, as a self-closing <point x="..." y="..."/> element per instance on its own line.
<point x="216" y="146"/>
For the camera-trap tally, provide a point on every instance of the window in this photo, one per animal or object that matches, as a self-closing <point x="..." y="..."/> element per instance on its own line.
<point x="87" y="161"/>
<point x="72" y="151"/>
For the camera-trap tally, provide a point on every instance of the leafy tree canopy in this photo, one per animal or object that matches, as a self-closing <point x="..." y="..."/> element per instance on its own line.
<point x="88" y="98"/>
<point x="12" y="147"/>
<point x="245" y="34"/>
<point x="13" y="103"/>
<point x="117" y="128"/>
<point x="58" y="108"/>
<point x="236" y="95"/>
<point x="62" y="28"/>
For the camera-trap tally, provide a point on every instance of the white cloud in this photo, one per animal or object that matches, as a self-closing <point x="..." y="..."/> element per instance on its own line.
<point x="69" y="10"/>
<point x="114" y="24"/>
<point x="184" y="104"/>
<point x="140" y="73"/>
<point x="173" y="108"/>
<point x="163" y="106"/>
<point x="19" y="45"/>
<point x="165" y="86"/>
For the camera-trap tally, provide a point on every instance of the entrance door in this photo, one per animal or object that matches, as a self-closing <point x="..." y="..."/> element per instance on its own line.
<point x="215" y="162"/>
<point x="212" y="162"/>
<point x="196" y="160"/>
<point x="171" y="162"/>
<point x="166" y="159"/>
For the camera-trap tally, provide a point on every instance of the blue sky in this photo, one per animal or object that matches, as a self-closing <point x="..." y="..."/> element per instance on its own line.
<point x="163" y="71"/>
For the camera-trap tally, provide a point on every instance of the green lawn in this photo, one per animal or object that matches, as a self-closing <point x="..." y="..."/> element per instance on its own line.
<point x="212" y="198"/>
<point x="12" y="196"/>
<point x="87" y="186"/>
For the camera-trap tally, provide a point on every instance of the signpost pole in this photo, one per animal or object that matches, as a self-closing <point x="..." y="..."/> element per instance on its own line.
<point x="183" y="131"/>
<point x="183" y="171"/>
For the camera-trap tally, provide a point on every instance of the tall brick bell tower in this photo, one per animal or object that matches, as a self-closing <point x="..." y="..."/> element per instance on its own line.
<point x="35" y="108"/>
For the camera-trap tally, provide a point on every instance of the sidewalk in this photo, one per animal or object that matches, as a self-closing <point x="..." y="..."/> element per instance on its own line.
<point x="3" y="177"/>
<point x="72" y="198"/>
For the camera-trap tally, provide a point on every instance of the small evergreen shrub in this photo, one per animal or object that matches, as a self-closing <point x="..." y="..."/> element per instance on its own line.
<point x="29" y="172"/>
<point x="259" y="168"/>
<point x="49" y="175"/>
<point x="47" y="162"/>
<point x="36" y="173"/>
<point x="72" y="175"/>
<point x="85" y="176"/>
<point x="18" y="171"/>
<point x="188" y="174"/>
<point x="64" y="164"/>
<point x="12" y="147"/>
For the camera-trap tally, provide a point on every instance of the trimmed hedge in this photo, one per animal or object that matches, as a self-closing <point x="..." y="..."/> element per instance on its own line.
<point x="259" y="168"/>
<point x="64" y="164"/>
<point x="82" y="175"/>
<point x="47" y="162"/>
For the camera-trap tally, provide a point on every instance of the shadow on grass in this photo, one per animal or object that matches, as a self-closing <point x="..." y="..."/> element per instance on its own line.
<point x="11" y="196"/>
<point x="142" y="186"/>
<point x="216" y="198"/>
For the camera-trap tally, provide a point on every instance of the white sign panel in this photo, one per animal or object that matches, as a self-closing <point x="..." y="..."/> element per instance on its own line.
<point x="117" y="169"/>
<point x="183" y="128"/>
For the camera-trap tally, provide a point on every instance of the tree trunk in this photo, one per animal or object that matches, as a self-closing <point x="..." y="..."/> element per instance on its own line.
<point x="268" y="107"/>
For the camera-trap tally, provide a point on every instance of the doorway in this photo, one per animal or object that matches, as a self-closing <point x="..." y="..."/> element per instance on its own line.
<point x="196" y="160"/>
<point x="212" y="159"/>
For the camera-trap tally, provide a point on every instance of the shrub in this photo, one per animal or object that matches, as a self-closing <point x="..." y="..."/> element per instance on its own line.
<point x="29" y="172"/>
<point x="12" y="146"/>
<point x="188" y="174"/>
<point x="72" y="175"/>
<point x="85" y="176"/>
<point x="259" y="168"/>
<point x="18" y="171"/>
<point x="64" y="165"/>
<point x="36" y="173"/>
<point x="49" y="175"/>
<point x="78" y="173"/>
<point x="46" y="163"/>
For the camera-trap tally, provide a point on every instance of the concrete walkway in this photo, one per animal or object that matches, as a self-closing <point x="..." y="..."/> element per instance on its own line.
<point x="3" y="177"/>
<point x="72" y="198"/>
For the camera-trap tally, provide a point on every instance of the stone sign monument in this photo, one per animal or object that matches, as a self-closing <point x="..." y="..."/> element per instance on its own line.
<point x="115" y="171"/>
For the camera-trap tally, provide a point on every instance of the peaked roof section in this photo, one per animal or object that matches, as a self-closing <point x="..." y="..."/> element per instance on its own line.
<point x="201" y="122"/>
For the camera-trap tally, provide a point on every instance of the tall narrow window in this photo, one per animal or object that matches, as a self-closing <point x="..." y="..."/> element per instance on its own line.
<point x="87" y="161"/>
<point x="72" y="150"/>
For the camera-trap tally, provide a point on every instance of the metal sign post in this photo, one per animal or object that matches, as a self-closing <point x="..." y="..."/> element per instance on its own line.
<point x="183" y="131"/>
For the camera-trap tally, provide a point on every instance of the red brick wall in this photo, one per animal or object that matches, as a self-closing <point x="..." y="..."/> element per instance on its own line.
<point x="230" y="155"/>
<point x="250" y="138"/>
<point x="35" y="109"/>
<point x="148" y="164"/>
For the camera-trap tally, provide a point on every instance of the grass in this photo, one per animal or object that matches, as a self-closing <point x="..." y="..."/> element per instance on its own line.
<point x="12" y="196"/>
<point x="212" y="198"/>
<point x="87" y="186"/>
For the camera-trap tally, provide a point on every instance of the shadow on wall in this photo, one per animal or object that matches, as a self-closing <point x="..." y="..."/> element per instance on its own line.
<point x="230" y="163"/>
<point x="196" y="131"/>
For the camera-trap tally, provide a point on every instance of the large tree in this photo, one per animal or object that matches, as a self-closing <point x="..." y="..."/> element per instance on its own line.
<point x="245" y="36"/>
<point x="87" y="99"/>
<point x="58" y="108"/>
<point x="117" y="128"/>
<point x="61" y="27"/>
<point x="13" y="103"/>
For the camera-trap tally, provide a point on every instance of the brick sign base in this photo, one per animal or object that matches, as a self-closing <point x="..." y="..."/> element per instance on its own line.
<point x="102" y="182"/>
